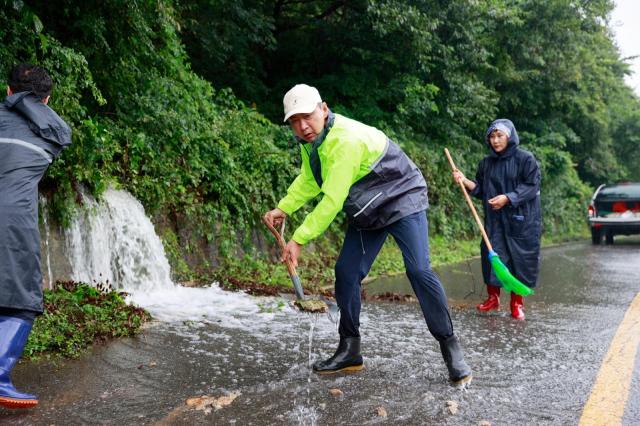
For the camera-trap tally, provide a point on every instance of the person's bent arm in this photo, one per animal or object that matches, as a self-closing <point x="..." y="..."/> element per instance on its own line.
<point x="301" y="190"/>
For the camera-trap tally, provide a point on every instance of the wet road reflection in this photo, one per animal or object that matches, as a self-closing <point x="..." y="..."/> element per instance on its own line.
<point x="539" y="371"/>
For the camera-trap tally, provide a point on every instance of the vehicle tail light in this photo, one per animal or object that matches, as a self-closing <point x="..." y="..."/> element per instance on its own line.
<point x="619" y="207"/>
<point x="592" y="211"/>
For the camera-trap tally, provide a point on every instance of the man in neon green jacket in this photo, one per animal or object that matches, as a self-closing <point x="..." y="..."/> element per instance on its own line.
<point x="358" y="169"/>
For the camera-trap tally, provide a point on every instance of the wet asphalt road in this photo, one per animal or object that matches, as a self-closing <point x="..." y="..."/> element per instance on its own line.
<point x="537" y="372"/>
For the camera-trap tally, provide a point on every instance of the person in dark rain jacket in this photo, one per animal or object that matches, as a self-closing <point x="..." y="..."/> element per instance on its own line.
<point x="32" y="135"/>
<point x="508" y="183"/>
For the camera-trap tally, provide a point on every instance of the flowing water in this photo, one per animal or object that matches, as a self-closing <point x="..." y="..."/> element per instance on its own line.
<point x="211" y="342"/>
<point x="47" y="237"/>
<point x="114" y="242"/>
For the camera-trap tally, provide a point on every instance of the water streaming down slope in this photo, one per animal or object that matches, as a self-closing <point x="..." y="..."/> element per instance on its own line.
<point x="47" y="252"/>
<point x="114" y="242"/>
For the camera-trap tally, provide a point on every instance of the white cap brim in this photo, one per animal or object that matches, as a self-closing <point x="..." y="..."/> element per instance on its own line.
<point x="300" y="99"/>
<point x="305" y="109"/>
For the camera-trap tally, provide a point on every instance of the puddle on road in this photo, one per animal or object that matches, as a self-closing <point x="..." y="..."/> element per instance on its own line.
<point x="211" y="342"/>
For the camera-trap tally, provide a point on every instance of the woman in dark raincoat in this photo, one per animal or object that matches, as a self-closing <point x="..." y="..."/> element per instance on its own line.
<point x="508" y="183"/>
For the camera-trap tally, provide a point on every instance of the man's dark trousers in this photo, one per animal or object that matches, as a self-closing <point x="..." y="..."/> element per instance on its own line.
<point x="360" y="249"/>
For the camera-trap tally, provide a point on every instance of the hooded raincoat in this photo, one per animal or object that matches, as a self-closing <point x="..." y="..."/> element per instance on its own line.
<point x="514" y="230"/>
<point x="31" y="137"/>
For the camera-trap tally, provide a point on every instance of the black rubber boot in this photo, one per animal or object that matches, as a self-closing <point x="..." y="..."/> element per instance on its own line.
<point x="347" y="358"/>
<point x="459" y="371"/>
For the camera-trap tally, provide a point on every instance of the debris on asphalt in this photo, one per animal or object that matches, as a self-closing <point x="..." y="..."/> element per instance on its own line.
<point x="388" y="297"/>
<point x="452" y="407"/>
<point x="336" y="392"/>
<point x="381" y="412"/>
<point x="208" y="403"/>
<point x="311" y="305"/>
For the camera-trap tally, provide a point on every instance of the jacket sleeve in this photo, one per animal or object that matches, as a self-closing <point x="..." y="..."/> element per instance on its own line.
<point x="529" y="186"/>
<point x="478" y="191"/>
<point x="302" y="189"/>
<point x="343" y="163"/>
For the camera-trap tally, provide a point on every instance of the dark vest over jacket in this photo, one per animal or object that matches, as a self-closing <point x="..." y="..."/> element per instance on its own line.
<point x="393" y="189"/>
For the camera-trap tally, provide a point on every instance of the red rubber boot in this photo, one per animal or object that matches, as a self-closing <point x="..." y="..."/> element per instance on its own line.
<point x="492" y="302"/>
<point x="517" y="306"/>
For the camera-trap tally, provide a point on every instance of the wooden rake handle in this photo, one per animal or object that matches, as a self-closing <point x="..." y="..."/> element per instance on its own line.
<point x="282" y="243"/>
<point x="470" y="203"/>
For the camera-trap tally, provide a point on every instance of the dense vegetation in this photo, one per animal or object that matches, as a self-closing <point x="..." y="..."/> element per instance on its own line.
<point x="77" y="315"/>
<point x="180" y="102"/>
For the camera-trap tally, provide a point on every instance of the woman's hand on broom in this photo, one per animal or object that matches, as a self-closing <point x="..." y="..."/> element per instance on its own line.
<point x="291" y="252"/>
<point x="458" y="177"/>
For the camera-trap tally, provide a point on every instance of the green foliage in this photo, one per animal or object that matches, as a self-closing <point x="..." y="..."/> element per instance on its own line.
<point x="205" y="145"/>
<point x="564" y="196"/>
<point x="153" y="127"/>
<point x="315" y="269"/>
<point x="442" y="251"/>
<point x="221" y="37"/>
<point x="77" y="315"/>
<point x="174" y="252"/>
<point x="434" y="74"/>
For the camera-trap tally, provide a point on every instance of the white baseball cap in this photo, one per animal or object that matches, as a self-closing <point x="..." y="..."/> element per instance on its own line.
<point x="301" y="99"/>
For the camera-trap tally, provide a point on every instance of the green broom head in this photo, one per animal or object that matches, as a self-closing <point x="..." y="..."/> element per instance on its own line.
<point x="509" y="282"/>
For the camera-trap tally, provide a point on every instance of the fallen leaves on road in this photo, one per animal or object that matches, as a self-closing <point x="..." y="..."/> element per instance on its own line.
<point x="388" y="297"/>
<point x="452" y="406"/>
<point x="208" y="403"/>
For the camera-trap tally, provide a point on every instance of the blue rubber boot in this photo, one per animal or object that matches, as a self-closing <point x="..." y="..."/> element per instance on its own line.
<point x="13" y="336"/>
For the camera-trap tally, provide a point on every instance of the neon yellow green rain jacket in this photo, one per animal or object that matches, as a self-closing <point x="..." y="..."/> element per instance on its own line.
<point x="362" y="171"/>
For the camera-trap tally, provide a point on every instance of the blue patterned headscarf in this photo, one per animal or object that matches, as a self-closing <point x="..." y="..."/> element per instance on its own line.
<point x="507" y="127"/>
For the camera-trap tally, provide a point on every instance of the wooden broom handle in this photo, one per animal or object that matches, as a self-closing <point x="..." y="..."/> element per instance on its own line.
<point x="470" y="203"/>
<point x="282" y="243"/>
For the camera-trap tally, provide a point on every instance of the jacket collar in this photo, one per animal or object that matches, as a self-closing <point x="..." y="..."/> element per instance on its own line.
<point x="314" y="156"/>
<point x="315" y="144"/>
<point x="43" y="121"/>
